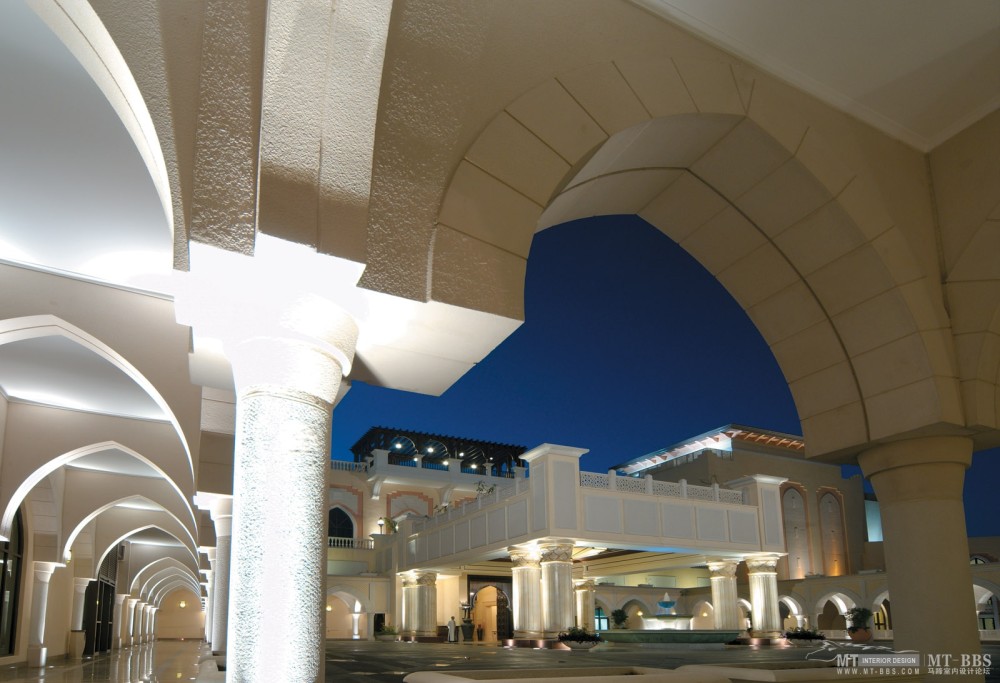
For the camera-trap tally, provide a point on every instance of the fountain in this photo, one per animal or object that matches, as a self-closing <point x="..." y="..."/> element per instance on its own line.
<point x="667" y="619"/>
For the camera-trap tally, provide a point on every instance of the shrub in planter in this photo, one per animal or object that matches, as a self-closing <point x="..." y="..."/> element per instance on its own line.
<point x="579" y="635"/>
<point x="804" y="634"/>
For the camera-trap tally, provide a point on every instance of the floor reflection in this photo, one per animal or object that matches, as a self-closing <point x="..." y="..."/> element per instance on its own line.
<point x="159" y="662"/>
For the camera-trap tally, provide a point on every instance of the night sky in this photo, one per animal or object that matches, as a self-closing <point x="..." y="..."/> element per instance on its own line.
<point x="628" y="346"/>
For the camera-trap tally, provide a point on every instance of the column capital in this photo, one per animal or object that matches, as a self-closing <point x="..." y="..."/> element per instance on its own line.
<point x="556" y="552"/>
<point x="762" y="564"/>
<point x="80" y="584"/>
<point x="585" y="585"/>
<point x="43" y="570"/>
<point x="120" y="598"/>
<point x="524" y="557"/>
<point x="419" y="579"/>
<point x="723" y="569"/>
<point x="132" y="602"/>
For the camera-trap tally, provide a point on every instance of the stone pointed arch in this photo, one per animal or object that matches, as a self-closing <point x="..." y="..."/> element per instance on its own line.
<point x="785" y="215"/>
<point x="19" y="478"/>
<point x="172" y="587"/>
<point x="103" y="493"/>
<point x="113" y="527"/>
<point x="843" y="599"/>
<point x="39" y="326"/>
<point x="348" y="595"/>
<point x="159" y="568"/>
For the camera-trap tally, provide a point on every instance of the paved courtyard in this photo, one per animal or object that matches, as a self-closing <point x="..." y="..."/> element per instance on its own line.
<point x="381" y="662"/>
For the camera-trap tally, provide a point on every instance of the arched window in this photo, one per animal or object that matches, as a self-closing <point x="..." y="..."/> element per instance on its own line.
<point x="793" y="511"/>
<point x="832" y="526"/>
<point x="10" y="585"/>
<point x="340" y="524"/>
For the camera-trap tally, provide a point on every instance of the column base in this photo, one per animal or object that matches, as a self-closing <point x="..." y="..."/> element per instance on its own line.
<point x="770" y="635"/>
<point x="37" y="655"/>
<point x="528" y="635"/>
<point x="77" y="640"/>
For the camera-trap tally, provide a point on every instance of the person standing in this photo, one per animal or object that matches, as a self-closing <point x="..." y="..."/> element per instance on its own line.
<point x="452" y="636"/>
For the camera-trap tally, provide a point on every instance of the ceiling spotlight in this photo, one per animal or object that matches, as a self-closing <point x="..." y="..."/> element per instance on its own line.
<point x="399" y="445"/>
<point x="430" y="449"/>
<point x="473" y="465"/>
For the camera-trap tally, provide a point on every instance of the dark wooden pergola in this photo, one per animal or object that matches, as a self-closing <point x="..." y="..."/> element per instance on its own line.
<point x="434" y="448"/>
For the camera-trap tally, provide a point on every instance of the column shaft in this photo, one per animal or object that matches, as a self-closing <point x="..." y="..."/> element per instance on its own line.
<point x="277" y="573"/>
<point x="558" y="610"/>
<point x="919" y="487"/>
<point x="129" y="635"/>
<point x="585" y="604"/>
<point x="222" y="515"/>
<point x="764" y="595"/>
<point x="39" y="601"/>
<point x="527" y="598"/>
<point x="119" y="620"/>
<point x="724" y="596"/>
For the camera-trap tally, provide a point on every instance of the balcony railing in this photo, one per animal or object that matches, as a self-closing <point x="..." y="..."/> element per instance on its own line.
<point x="347" y="466"/>
<point x="356" y="543"/>
<point x="647" y="485"/>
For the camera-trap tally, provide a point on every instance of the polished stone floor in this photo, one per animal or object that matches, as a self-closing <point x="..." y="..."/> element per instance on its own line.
<point x="165" y="660"/>
<point x="380" y="662"/>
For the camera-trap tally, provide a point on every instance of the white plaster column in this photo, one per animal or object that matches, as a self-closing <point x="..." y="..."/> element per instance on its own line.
<point x="77" y="638"/>
<point x="147" y="622"/>
<point x="420" y="603"/>
<point x="369" y="626"/>
<point x="919" y="486"/>
<point x="285" y="392"/>
<point x="527" y="589"/>
<point x="153" y="611"/>
<point x="120" y="620"/>
<point x="222" y="516"/>
<point x="79" y="594"/>
<point x="208" y="604"/>
<point x="137" y="623"/>
<point x="724" y="596"/>
<point x="129" y="636"/>
<point x="558" y="610"/>
<point x="42" y="573"/>
<point x="585" y="604"/>
<point x="764" y="594"/>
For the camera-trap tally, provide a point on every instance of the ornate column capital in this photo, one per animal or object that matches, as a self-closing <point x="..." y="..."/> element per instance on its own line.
<point x="524" y="557"/>
<point x="556" y="552"/>
<point x="586" y="585"/>
<point x="419" y="579"/>
<point x="763" y="564"/>
<point x="723" y="569"/>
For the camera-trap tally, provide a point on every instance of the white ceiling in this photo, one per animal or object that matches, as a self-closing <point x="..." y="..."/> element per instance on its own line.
<point x="74" y="192"/>
<point x="919" y="70"/>
<point x="115" y="461"/>
<point x="59" y="372"/>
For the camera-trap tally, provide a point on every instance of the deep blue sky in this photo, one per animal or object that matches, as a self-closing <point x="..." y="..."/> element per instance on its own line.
<point x="628" y="345"/>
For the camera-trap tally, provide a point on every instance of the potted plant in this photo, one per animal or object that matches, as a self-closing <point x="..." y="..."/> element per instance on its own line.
<point x="857" y="629"/>
<point x="577" y="638"/>
<point x="386" y="632"/>
<point x="619" y="618"/>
